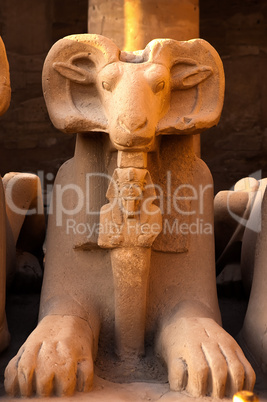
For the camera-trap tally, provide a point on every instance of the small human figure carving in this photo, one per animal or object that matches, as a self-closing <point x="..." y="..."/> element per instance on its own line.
<point x="130" y="223"/>
<point x="131" y="216"/>
<point x="148" y="102"/>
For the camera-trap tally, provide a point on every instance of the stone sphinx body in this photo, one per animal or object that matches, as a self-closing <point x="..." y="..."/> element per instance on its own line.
<point x="101" y="281"/>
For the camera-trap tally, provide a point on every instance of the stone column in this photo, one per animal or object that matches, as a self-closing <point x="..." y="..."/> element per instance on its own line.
<point x="131" y="24"/>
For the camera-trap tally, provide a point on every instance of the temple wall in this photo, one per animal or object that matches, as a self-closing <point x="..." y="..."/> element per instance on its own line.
<point x="238" y="146"/>
<point x="237" y="29"/>
<point x="28" y="140"/>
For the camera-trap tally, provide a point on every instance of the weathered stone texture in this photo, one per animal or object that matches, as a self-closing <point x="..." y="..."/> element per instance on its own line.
<point x="132" y="98"/>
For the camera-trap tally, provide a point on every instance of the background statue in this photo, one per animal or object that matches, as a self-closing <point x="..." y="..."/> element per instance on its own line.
<point x="150" y="102"/>
<point x="240" y="229"/>
<point x="20" y="194"/>
<point x="5" y="94"/>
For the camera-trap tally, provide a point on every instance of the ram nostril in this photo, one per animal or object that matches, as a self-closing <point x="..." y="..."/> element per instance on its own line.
<point x="131" y="127"/>
<point x="142" y="125"/>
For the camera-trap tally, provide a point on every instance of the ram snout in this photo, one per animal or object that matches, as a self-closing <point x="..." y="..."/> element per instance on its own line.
<point x="134" y="132"/>
<point x="135" y="98"/>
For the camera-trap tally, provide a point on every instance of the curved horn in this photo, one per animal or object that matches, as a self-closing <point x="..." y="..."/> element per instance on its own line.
<point x="5" y="90"/>
<point x="197" y="84"/>
<point x="70" y="69"/>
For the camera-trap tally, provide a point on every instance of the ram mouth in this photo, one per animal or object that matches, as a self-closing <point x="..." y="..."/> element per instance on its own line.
<point x="134" y="148"/>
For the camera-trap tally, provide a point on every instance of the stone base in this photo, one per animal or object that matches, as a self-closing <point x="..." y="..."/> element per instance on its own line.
<point x="113" y="392"/>
<point x="131" y="392"/>
<point x="22" y="311"/>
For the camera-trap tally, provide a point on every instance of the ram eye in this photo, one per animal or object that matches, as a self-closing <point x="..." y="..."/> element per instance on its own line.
<point x="160" y="86"/>
<point x="106" y="86"/>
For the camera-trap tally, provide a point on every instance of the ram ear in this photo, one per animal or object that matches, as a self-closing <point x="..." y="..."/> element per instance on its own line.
<point x="197" y="85"/>
<point x="74" y="73"/>
<point x="5" y="90"/>
<point x="187" y="74"/>
<point x="69" y="82"/>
